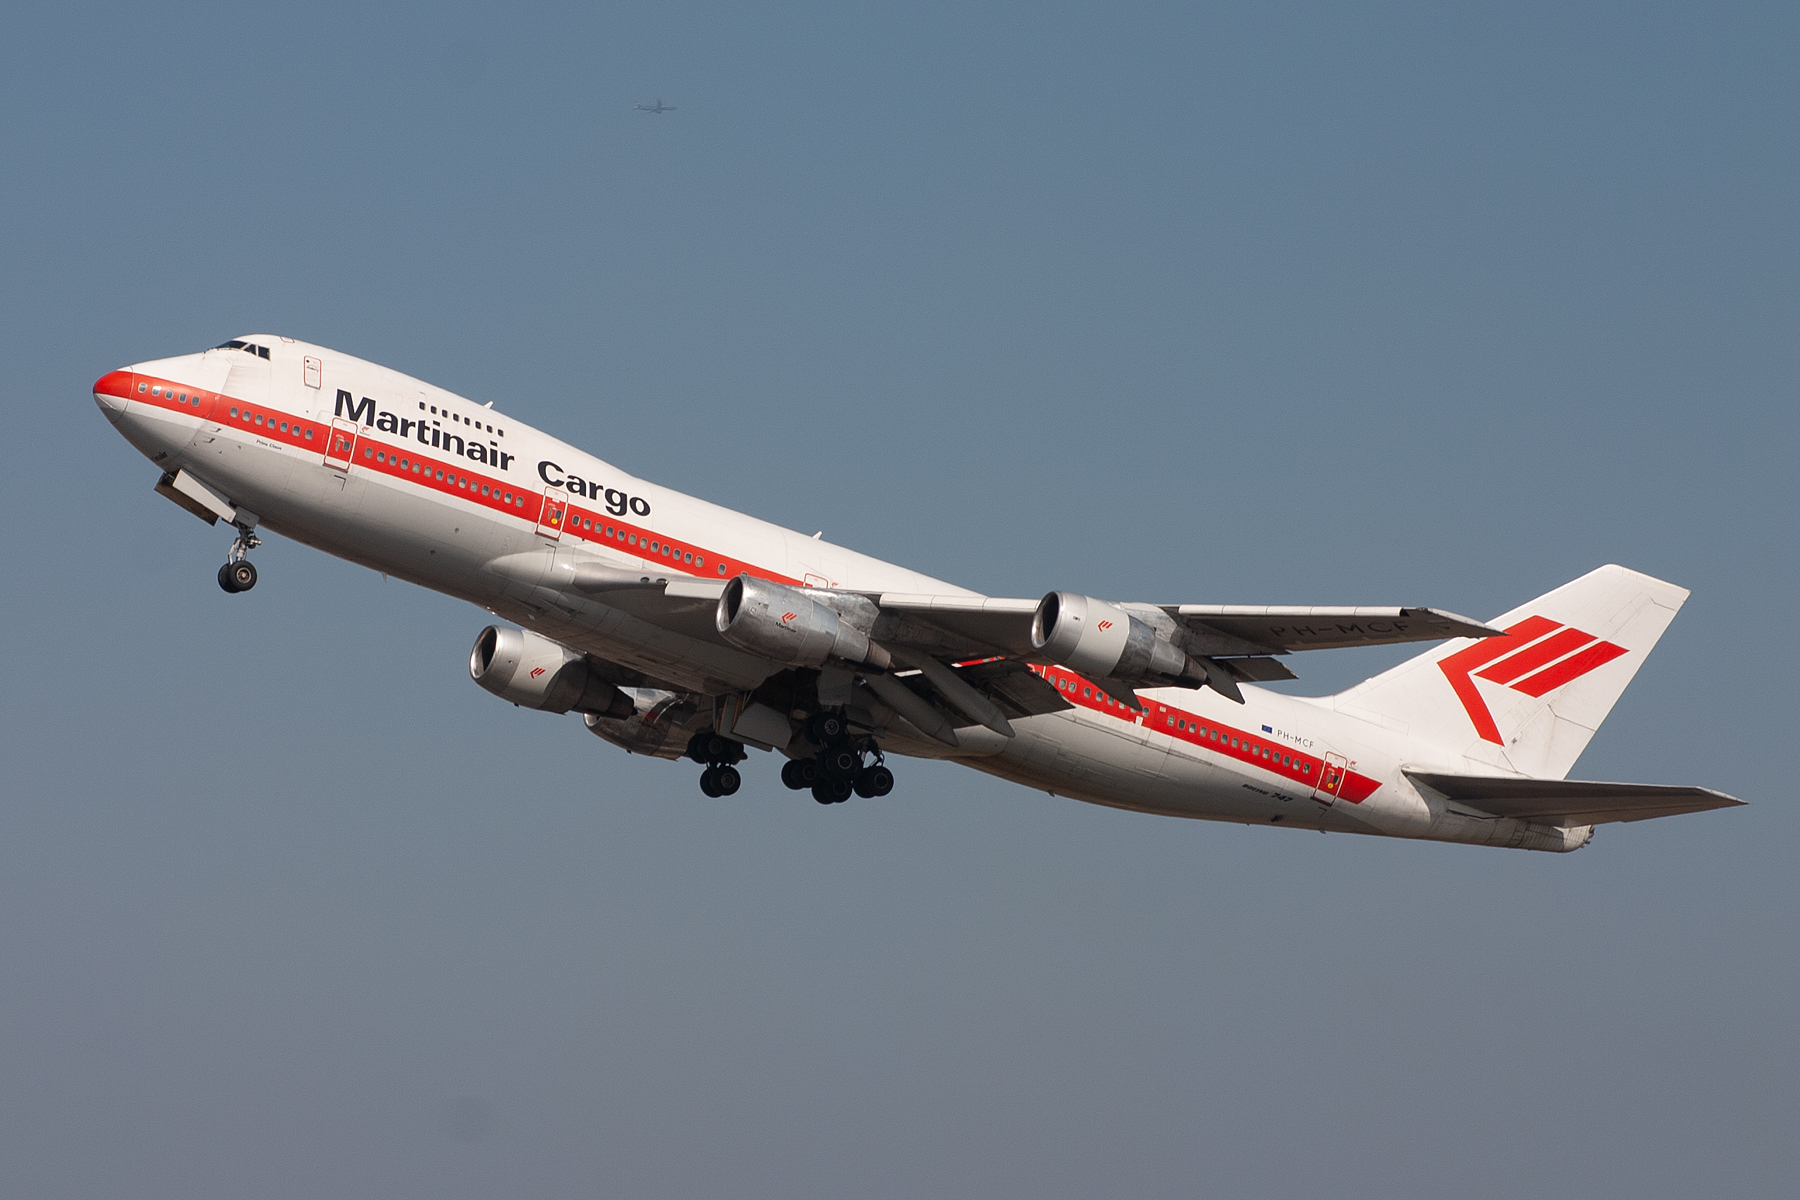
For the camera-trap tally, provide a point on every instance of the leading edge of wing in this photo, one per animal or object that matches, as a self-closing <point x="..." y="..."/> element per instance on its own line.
<point x="1571" y="801"/>
<point x="1283" y="628"/>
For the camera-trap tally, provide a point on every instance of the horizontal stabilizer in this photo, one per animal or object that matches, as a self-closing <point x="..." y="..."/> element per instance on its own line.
<point x="1571" y="801"/>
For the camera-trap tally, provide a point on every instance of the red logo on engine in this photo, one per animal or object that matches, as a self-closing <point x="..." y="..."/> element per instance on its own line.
<point x="536" y="671"/>
<point x="1104" y="626"/>
<point x="786" y="617"/>
<point x="1540" y="656"/>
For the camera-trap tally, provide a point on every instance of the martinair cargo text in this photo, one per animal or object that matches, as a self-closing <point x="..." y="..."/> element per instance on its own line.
<point x="680" y="629"/>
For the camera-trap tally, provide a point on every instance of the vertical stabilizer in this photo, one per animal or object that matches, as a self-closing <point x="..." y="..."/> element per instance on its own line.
<point x="1527" y="702"/>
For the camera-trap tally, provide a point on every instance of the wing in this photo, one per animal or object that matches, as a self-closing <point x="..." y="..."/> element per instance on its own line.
<point x="950" y="661"/>
<point x="1571" y="801"/>
<point x="996" y="626"/>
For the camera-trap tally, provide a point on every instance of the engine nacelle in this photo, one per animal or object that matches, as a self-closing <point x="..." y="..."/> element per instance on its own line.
<point x="787" y="625"/>
<point x="534" y="672"/>
<point x="659" y="724"/>
<point x="1103" y="641"/>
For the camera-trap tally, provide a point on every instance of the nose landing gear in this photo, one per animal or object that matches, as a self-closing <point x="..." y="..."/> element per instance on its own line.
<point x="238" y="574"/>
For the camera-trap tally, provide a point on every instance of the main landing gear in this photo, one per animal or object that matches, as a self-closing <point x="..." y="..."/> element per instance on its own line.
<point x="238" y="574"/>
<point x="842" y="767"/>
<point x="718" y="752"/>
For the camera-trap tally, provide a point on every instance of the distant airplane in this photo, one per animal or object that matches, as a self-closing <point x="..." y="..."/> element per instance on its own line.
<point x="658" y="107"/>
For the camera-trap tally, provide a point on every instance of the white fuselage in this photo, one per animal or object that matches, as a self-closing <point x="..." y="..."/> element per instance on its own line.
<point x="456" y="497"/>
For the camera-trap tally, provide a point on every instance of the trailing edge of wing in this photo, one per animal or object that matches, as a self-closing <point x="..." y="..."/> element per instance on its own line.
<point x="1571" y="801"/>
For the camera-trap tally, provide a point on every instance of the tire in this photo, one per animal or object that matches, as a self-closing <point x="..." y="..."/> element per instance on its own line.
<point x="831" y="791"/>
<point x="875" y="782"/>
<point x="828" y="727"/>
<point x="242" y="575"/>
<point x="727" y="780"/>
<point x="709" y="781"/>
<point x="709" y="747"/>
<point x="225" y="583"/>
<point x="789" y="779"/>
<point x="842" y="763"/>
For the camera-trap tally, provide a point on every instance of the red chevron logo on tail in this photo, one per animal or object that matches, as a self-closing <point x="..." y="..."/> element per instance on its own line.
<point x="1540" y="656"/>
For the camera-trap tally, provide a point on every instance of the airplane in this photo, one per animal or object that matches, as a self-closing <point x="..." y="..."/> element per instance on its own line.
<point x="658" y="107"/>
<point x="680" y="629"/>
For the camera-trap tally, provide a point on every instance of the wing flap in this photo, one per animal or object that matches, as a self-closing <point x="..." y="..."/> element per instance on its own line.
<point x="1014" y="687"/>
<point x="1571" y="801"/>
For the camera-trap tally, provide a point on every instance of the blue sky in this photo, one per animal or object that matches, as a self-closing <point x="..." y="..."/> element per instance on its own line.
<point x="1392" y="304"/>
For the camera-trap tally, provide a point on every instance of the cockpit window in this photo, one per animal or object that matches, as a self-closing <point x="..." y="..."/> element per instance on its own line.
<point x="246" y="347"/>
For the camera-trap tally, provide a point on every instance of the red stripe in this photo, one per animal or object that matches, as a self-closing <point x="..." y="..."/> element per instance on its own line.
<point x="217" y="408"/>
<point x="1533" y="657"/>
<point x="1301" y="769"/>
<point x="1574" y="667"/>
<point x="1457" y="666"/>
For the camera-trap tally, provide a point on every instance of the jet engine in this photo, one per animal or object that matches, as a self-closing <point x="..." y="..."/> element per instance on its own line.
<point x="787" y="625"/>
<point x="534" y="672"/>
<point x="660" y="724"/>
<point x="1103" y="641"/>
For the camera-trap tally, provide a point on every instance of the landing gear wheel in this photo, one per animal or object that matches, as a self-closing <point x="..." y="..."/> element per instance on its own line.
<point x="828" y="727"/>
<point x="713" y="748"/>
<point x="239" y="576"/>
<point x="831" y="791"/>
<point x="726" y="780"/>
<point x="876" y="781"/>
<point x="800" y="773"/>
<point x="709" y="781"/>
<point x="841" y="763"/>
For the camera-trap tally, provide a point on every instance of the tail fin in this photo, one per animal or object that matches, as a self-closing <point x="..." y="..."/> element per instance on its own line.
<point x="1527" y="702"/>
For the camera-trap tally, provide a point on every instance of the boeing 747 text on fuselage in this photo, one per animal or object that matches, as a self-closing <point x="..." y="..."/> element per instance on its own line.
<point x="681" y="629"/>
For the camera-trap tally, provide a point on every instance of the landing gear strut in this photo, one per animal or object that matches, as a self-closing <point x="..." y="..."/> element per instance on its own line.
<point x="718" y="752"/>
<point x="239" y="574"/>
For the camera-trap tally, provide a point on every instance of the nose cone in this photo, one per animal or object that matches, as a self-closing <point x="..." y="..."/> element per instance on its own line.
<point x="111" y="391"/>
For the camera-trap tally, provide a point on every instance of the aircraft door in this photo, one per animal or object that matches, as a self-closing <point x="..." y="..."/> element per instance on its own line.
<point x="1331" y="778"/>
<point x="553" y="514"/>
<point x="340" y="445"/>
